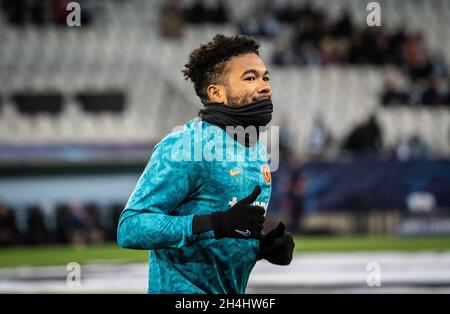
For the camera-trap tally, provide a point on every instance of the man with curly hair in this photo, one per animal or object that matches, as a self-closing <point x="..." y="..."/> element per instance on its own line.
<point x="202" y="218"/>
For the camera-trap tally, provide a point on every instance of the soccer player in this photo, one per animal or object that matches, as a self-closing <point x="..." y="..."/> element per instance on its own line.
<point x="201" y="217"/>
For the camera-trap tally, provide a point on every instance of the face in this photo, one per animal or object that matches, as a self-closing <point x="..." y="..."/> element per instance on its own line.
<point x="246" y="81"/>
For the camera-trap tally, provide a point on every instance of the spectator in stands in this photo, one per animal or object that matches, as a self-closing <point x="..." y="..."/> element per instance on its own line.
<point x="219" y="13"/>
<point x="268" y="24"/>
<point x="63" y="230"/>
<point x="380" y="54"/>
<point x="412" y="148"/>
<point x="391" y="95"/>
<point x="94" y="231"/>
<point x="431" y="95"/>
<point x="9" y="234"/>
<point x="199" y="12"/>
<point x="365" y="139"/>
<point x="115" y="211"/>
<point x="439" y="64"/>
<point x="369" y="46"/>
<point x="309" y="29"/>
<point x="396" y="40"/>
<point x="171" y="22"/>
<point x="21" y="12"/>
<point x="37" y="9"/>
<point x="414" y="55"/>
<point x="295" y="201"/>
<point x="402" y="150"/>
<point x="357" y="51"/>
<point x="250" y="25"/>
<point x="289" y="55"/>
<point x="415" y="92"/>
<point x="319" y="139"/>
<point x="286" y="142"/>
<point x="446" y="96"/>
<point x="343" y="28"/>
<point x="333" y="51"/>
<point x="78" y="224"/>
<point x="15" y="11"/>
<point x="419" y="148"/>
<point x="196" y="13"/>
<point x="261" y="23"/>
<point x="37" y="232"/>
<point x="423" y="92"/>
<point x="288" y="13"/>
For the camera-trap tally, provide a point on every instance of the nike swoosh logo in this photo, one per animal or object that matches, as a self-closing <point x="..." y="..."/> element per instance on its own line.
<point x="245" y="233"/>
<point x="235" y="173"/>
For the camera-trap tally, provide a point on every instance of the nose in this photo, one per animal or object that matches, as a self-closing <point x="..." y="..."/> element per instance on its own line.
<point x="265" y="89"/>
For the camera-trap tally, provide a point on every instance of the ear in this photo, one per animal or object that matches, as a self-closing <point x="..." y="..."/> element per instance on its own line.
<point x="217" y="94"/>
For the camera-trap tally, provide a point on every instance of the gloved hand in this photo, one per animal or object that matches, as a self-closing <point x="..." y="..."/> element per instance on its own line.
<point x="241" y="221"/>
<point x="277" y="246"/>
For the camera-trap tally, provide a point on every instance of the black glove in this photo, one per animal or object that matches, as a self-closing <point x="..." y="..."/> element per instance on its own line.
<point x="241" y="221"/>
<point x="277" y="246"/>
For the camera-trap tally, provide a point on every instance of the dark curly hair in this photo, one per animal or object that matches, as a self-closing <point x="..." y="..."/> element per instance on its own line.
<point x="207" y="64"/>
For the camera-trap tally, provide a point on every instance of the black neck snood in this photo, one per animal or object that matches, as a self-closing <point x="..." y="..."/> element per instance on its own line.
<point x="257" y="114"/>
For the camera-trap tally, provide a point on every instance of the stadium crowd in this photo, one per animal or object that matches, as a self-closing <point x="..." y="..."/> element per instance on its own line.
<point x="318" y="40"/>
<point x="69" y="223"/>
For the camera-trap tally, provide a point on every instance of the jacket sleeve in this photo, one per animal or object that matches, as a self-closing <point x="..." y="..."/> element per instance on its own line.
<point x="149" y="220"/>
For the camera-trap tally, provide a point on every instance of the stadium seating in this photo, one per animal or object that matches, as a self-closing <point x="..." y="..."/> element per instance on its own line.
<point x="123" y="51"/>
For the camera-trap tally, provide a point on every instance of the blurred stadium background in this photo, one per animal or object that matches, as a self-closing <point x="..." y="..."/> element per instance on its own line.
<point x="364" y="116"/>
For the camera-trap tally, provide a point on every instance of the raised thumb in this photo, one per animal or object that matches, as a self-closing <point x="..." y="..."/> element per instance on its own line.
<point x="252" y="197"/>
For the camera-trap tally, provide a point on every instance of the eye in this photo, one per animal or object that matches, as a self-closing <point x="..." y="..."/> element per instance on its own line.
<point x="250" y="78"/>
<point x="266" y="78"/>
